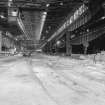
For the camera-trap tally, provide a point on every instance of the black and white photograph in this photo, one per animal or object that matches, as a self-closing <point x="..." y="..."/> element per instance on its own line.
<point x="52" y="52"/>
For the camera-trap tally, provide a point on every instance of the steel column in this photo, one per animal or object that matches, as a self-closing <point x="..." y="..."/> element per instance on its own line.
<point x="0" y="41"/>
<point x="88" y="36"/>
<point x="68" y="44"/>
<point x="85" y="45"/>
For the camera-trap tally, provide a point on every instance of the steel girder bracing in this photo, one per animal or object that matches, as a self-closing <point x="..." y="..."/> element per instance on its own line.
<point x="79" y="17"/>
<point x="84" y="18"/>
<point x="71" y="23"/>
<point x="0" y="40"/>
<point x="88" y="36"/>
<point x="21" y="25"/>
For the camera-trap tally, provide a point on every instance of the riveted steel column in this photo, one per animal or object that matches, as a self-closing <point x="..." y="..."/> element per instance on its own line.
<point x="86" y="45"/>
<point x="0" y="41"/>
<point x="68" y="44"/>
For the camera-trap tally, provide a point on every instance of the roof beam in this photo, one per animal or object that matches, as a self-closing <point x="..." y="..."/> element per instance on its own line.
<point x="71" y="19"/>
<point x="68" y="24"/>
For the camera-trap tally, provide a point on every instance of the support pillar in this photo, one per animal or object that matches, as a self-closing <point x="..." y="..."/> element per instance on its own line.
<point x="56" y="49"/>
<point x="68" y="45"/>
<point x="0" y="41"/>
<point x="50" y="47"/>
<point x="86" y="45"/>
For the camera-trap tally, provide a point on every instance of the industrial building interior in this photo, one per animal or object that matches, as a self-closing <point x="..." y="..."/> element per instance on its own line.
<point x="52" y="52"/>
<point x="32" y="25"/>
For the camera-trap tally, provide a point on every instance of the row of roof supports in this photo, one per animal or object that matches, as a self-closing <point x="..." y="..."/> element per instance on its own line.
<point x="88" y="36"/>
<point x="0" y="41"/>
<point x="73" y="21"/>
<point x="83" y="18"/>
<point x="83" y="39"/>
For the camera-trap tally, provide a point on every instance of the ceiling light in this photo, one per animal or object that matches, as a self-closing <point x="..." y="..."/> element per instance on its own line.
<point x="49" y="27"/>
<point x="14" y="13"/>
<point x="61" y="3"/>
<point x="72" y="36"/>
<point x="85" y="1"/>
<point x="46" y="31"/>
<point x="47" y="5"/>
<point x="44" y="13"/>
<point x="2" y="16"/>
<point x="58" y="42"/>
<point x="103" y="17"/>
<point x="103" y="5"/>
<point x="87" y="30"/>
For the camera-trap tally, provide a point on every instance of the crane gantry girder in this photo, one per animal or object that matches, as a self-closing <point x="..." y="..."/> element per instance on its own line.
<point x="77" y="18"/>
<point x="88" y="36"/>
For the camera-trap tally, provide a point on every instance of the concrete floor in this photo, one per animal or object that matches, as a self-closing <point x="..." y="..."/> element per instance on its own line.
<point x="51" y="80"/>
